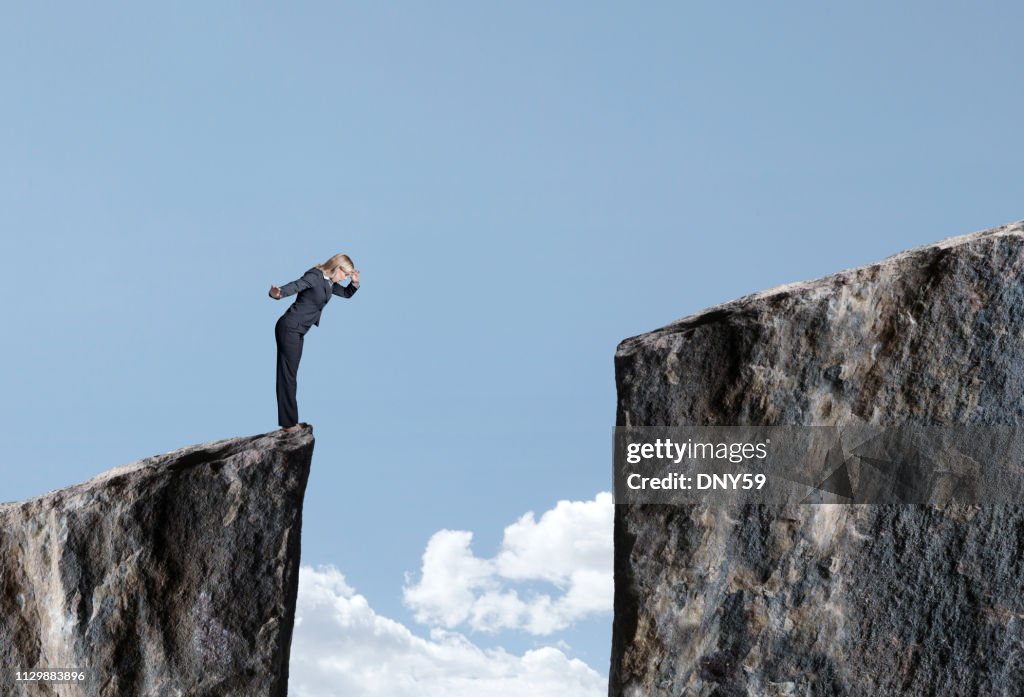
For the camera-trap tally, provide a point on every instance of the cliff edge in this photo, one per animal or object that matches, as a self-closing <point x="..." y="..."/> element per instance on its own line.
<point x="173" y="575"/>
<point x="831" y="600"/>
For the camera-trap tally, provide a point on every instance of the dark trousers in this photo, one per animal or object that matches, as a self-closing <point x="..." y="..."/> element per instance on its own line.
<point x="289" y="352"/>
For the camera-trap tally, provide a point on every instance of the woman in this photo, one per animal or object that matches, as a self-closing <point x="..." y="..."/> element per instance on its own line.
<point x="315" y="289"/>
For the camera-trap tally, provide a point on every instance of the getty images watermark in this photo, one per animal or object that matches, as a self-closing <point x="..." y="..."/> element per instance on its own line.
<point x="905" y="463"/>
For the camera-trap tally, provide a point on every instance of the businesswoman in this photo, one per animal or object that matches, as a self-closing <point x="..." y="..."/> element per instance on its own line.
<point x="314" y="289"/>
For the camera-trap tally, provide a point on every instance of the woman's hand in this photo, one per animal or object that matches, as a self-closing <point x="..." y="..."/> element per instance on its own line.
<point x="275" y="292"/>
<point x="355" y="276"/>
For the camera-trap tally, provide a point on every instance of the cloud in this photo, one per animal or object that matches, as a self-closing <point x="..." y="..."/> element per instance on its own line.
<point x="342" y="647"/>
<point x="569" y="548"/>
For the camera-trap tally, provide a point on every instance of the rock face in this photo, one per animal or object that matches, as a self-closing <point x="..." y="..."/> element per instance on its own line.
<point x="822" y="600"/>
<point x="174" y="575"/>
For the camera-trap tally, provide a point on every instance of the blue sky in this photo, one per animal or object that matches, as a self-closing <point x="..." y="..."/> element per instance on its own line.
<point x="521" y="184"/>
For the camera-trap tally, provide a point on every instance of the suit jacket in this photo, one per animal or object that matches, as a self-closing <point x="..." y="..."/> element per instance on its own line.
<point x="315" y="292"/>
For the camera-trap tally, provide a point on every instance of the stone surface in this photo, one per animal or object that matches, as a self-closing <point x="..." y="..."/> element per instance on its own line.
<point x="173" y="575"/>
<point x="822" y="600"/>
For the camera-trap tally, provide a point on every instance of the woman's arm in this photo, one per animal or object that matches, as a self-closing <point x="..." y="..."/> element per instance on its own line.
<point x="298" y="285"/>
<point x="347" y="291"/>
<point x="344" y="291"/>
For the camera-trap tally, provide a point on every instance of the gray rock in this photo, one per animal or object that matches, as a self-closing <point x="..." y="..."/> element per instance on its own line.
<point x="822" y="600"/>
<point x="174" y="575"/>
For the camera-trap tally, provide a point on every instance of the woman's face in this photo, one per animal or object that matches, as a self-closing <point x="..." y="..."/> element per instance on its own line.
<point x="339" y="275"/>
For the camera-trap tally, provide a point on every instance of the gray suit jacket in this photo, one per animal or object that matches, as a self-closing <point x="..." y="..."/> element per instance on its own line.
<point x="314" y="291"/>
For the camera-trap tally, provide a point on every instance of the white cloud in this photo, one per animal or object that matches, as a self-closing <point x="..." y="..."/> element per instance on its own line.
<point x="569" y="548"/>
<point x="342" y="647"/>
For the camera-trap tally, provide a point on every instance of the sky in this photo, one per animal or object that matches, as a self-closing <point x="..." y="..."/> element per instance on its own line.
<point x="522" y="185"/>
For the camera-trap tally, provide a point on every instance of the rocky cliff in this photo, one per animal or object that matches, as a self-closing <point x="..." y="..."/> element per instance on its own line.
<point x="171" y="576"/>
<point x="823" y="600"/>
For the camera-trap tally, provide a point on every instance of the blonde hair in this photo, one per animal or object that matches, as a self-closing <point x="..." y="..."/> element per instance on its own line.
<point x="332" y="264"/>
